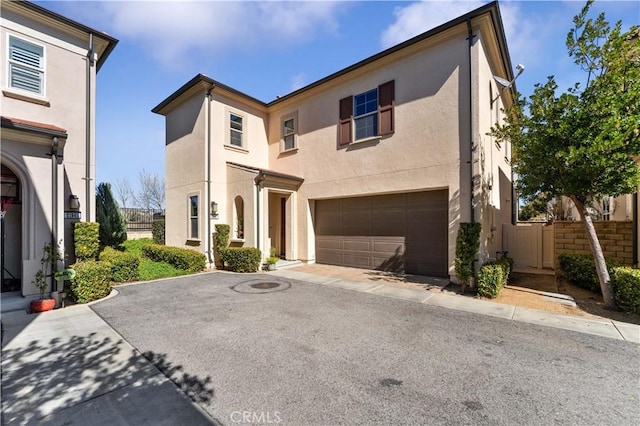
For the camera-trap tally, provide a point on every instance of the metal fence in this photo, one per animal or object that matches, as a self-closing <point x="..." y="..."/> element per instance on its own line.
<point x="141" y="219"/>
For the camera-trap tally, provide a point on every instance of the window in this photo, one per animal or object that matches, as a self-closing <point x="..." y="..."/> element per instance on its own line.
<point x="193" y="217"/>
<point x="236" y="129"/>
<point x="365" y="114"/>
<point x="371" y="114"/>
<point x="289" y="132"/>
<point x="26" y="66"/>
<point x="238" y="206"/>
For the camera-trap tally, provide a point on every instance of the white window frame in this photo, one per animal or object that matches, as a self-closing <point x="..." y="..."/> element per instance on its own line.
<point x="11" y="64"/>
<point x="365" y="115"/>
<point x="190" y="217"/>
<point x="228" y="129"/>
<point x="284" y="135"/>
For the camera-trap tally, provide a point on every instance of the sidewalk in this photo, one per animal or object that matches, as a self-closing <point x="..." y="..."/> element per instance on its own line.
<point x="68" y="367"/>
<point x="433" y="296"/>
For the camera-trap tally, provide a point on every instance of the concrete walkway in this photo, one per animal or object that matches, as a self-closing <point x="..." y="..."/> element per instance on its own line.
<point x="69" y="367"/>
<point x="599" y="327"/>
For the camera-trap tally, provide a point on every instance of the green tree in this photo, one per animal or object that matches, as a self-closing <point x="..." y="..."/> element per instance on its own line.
<point x="535" y="208"/>
<point x="112" y="228"/>
<point x="582" y="143"/>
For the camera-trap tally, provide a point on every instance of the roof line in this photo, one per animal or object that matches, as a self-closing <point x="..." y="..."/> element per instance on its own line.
<point x="266" y="172"/>
<point x="32" y="126"/>
<point x="492" y="8"/>
<point x="111" y="40"/>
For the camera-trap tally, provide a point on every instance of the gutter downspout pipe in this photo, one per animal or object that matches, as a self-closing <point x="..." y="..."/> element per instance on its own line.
<point x="209" y="235"/>
<point x="54" y="204"/>
<point x="259" y="179"/>
<point x="470" y="38"/>
<point x="87" y="178"/>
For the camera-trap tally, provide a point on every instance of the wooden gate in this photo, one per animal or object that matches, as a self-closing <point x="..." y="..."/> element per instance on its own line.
<point x="531" y="245"/>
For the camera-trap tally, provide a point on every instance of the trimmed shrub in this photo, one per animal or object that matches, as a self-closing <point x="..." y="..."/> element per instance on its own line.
<point x="220" y="243"/>
<point x="92" y="281"/>
<point x="113" y="230"/>
<point x="157" y="231"/>
<point x="242" y="259"/>
<point x="581" y="270"/>
<point x="181" y="258"/>
<point x="506" y="263"/>
<point x="626" y="288"/>
<point x="467" y="245"/>
<point x="124" y="266"/>
<point x="491" y="279"/>
<point x="86" y="237"/>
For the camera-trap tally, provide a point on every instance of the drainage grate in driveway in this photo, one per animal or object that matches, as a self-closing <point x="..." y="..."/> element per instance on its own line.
<point x="257" y="286"/>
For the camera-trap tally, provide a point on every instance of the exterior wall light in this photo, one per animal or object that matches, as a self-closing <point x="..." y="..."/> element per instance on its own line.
<point x="74" y="202"/>
<point x="214" y="209"/>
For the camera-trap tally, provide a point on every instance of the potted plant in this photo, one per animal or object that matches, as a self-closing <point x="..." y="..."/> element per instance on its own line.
<point x="272" y="260"/>
<point x="50" y="258"/>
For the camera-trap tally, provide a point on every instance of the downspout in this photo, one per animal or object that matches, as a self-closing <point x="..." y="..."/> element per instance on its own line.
<point x="259" y="179"/>
<point x="54" y="204"/>
<point x="87" y="178"/>
<point x="470" y="37"/>
<point x="208" y="192"/>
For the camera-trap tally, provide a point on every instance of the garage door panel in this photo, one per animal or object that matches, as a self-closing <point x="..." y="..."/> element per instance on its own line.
<point x="390" y="232"/>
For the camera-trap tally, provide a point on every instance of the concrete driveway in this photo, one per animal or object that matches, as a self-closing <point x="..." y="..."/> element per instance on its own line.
<point x="264" y="349"/>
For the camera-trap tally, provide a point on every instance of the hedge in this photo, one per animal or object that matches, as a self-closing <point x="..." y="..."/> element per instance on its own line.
<point x="626" y="288"/>
<point x="157" y="231"/>
<point x="86" y="237"/>
<point x="467" y="245"/>
<point x="491" y="279"/>
<point x="242" y="259"/>
<point x="220" y="243"/>
<point x="581" y="270"/>
<point x="92" y="281"/>
<point x="124" y="266"/>
<point x="180" y="258"/>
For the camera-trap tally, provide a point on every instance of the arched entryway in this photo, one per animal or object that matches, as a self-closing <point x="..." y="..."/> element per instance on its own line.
<point x="10" y="230"/>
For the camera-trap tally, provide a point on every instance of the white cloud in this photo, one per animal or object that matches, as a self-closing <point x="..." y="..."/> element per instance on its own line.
<point x="417" y="18"/>
<point x="176" y="31"/>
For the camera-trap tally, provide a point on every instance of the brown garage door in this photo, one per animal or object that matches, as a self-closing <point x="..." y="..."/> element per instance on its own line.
<point x="396" y="232"/>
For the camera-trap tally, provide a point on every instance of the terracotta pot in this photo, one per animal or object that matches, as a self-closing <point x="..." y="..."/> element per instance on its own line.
<point x="42" y="305"/>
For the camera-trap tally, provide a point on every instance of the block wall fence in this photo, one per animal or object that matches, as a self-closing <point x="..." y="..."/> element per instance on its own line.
<point x="616" y="239"/>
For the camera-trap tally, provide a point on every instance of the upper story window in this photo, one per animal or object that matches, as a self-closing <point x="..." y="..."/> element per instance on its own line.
<point x="367" y="115"/>
<point x="289" y="132"/>
<point x="26" y="66"/>
<point x="236" y="128"/>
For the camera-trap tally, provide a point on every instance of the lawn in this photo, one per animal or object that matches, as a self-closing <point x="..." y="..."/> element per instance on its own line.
<point x="148" y="269"/>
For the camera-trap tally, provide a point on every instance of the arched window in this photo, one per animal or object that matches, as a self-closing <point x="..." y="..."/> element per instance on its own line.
<point x="238" y="217"/>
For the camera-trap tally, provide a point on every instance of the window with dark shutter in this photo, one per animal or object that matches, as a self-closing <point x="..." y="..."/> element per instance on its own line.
<point x="346" y="111"/>
<point x="386" y="99"/>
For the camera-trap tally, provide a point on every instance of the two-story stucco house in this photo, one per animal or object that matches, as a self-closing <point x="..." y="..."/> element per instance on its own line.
<point x="48" y="78"/>
<point x="373" y="166"/>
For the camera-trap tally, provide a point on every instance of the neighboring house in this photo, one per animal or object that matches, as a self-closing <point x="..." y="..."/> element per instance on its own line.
<point x="48" y="134"/>
<point x="374" y="166"/>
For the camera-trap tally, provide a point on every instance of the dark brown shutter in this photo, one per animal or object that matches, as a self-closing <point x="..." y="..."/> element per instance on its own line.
<point x="386" y="101"/>
<point x="346" y="111"/>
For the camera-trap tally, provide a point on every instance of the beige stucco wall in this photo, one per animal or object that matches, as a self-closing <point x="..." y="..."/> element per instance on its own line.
<point x="65" y="107"/>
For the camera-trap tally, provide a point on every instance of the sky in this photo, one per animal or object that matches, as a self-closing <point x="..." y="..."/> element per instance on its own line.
<point x="271" y="48"/>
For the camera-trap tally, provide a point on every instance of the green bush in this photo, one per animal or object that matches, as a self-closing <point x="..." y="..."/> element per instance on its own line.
<point x="86" y="237"/>
<point x="220" y="243"/>
<point x="124" y="266"/>
<point x="581" y="270"/>
<point x="491" y="279"/>
<point x="242" y="259"/>
<point x="157" y="231"/>
<point x="92" y="281"/>
<point x="467" y="245"/>
<point x="181" y="258"/>
<point x="626" y="288"/>
<point x="506" y="263"/>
